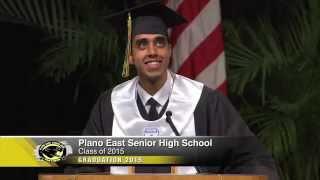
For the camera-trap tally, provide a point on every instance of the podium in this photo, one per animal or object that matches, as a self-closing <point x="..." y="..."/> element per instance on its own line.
<point x="150" y="177"/>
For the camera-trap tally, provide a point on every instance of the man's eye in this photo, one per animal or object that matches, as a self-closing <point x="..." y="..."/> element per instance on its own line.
<point x="160" y="42"/>
<point x="142" y="44"/>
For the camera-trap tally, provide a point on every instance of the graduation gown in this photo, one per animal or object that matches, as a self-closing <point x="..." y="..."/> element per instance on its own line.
<point x="211" y="111"/>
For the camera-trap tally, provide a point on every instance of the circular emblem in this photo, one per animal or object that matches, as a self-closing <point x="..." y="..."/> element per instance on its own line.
<point x="52" y="151"/>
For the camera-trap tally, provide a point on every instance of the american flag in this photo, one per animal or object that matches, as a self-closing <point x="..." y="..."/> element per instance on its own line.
<point x="198" y="48"/>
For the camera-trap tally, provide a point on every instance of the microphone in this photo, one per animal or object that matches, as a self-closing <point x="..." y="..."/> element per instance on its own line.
<point x="169" y="121"/>
<point x="174" y="129"/>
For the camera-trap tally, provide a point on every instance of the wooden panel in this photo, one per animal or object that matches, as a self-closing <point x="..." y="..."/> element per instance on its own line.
<point x="57" y="177"/>
<point x="150" y="177"/>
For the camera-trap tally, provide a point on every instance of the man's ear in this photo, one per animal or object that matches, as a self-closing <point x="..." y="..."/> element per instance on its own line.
<point x="130" y="59"/>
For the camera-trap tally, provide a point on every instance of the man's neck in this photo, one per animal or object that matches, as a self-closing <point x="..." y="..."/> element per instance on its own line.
<point x="152" y="86"/>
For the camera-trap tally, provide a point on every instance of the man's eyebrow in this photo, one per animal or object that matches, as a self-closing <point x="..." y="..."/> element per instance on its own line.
<point x="157" y="37"/>
<point x="140" y="39"/>
<point x="160" y="37"/>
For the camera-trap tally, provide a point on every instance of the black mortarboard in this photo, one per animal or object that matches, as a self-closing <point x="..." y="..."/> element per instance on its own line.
<point x="154" y="18"/>
<point x="149" y="18"/>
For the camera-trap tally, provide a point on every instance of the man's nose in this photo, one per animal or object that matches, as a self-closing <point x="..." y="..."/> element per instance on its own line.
<point x="152" y="50"/>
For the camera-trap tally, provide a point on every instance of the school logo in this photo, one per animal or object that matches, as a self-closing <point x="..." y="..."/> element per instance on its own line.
<point x="53" y="151"/>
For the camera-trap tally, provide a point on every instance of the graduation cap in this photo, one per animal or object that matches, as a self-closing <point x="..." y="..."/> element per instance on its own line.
<point x="149" y="18"/>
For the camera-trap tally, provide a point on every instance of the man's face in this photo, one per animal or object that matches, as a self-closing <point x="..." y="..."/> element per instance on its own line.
<point x="151" y="55"/>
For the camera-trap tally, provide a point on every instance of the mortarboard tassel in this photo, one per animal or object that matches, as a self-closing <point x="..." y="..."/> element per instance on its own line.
<point x="125" y="68"/>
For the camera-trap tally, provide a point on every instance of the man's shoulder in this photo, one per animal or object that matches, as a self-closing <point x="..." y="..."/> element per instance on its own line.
<point x="116" y="88"/>
<point x="187" y="80"/>
<point x="125" y="89"/>
<point x="119" y="91"/>
<point x="212" y="93"/>
<point x="106" y="95"/>
<point x="207" y="92"/>
<point x="124" y="84"/>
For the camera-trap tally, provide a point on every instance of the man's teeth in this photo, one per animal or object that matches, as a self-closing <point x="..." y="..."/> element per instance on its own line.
<point x="153" y="62"/>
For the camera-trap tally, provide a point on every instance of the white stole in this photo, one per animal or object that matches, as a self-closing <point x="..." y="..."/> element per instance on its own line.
<point x="127" y="120"/>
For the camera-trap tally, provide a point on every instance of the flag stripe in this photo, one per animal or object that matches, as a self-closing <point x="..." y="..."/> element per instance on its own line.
<point x="190" y="10"/>
<point x="203" y="55"/>
<point x="198" y="49"/>
<point x="173" y="4"/>
<point x="214" y="74"/>
<point x="223" y="88"/>
<point x="197" y="31"/>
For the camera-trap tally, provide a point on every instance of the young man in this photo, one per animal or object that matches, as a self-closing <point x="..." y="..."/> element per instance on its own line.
<point x="132" y="107"/>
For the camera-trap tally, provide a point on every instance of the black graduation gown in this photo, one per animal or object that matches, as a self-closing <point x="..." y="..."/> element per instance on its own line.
<point x="214" y="116"/>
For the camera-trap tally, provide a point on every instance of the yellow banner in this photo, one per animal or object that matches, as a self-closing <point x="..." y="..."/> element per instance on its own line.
<point x="124" y="159"/>
<point x="20" y="152"/>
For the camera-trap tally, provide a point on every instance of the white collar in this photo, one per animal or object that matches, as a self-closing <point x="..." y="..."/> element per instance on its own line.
<point x="161" y="96"/>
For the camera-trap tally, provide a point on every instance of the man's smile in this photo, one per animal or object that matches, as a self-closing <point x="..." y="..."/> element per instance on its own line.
<point x="153" y="63"/>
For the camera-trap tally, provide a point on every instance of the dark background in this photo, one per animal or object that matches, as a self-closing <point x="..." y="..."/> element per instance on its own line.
<point x="34" y="105"/>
